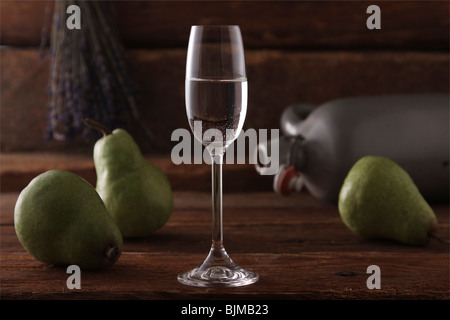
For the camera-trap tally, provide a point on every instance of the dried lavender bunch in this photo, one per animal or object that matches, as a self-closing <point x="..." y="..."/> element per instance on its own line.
<point x="88" y="77"/>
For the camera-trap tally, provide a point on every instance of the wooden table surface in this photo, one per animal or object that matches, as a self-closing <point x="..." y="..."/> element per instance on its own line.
<point x="300" y="248"/>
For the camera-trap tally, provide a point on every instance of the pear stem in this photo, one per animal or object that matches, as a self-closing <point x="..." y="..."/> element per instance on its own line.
<point x="97" y="126"/>
<point x="112" y="253"/>
<point x="433" y="236"/>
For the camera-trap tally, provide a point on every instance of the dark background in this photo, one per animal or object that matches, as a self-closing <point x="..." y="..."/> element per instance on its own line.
<point x="296" y="51"/>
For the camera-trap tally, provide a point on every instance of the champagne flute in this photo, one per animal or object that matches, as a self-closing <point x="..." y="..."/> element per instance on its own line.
<point x="216" y="106"/>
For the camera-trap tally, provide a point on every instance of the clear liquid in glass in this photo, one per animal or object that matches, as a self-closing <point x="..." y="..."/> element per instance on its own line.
<point x="229" y="98"/>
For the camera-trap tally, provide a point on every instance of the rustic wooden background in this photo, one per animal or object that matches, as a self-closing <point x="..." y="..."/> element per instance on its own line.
<point x="296" y="51"/>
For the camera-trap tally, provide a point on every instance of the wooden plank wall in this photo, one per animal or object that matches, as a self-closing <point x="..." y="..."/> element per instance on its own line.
<point x="296" y="51"/>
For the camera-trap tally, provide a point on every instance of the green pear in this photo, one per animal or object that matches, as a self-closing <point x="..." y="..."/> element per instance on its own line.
<point x="379" y="200"/>
<point x="60" y="219"/>
<point x="136" y="193"/>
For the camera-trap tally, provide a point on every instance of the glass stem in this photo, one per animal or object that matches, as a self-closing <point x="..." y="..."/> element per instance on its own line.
<point x="217" y="235"/>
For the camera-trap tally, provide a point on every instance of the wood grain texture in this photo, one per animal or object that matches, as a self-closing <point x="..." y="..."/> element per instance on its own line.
<point x="416" y="25"/>
<point x="300" y="248"/>
<point x="276" y="80"/>
<point x="18" y="169"/>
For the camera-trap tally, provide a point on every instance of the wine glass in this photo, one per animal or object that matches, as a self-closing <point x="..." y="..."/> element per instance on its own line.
<point x="216" y="105"/>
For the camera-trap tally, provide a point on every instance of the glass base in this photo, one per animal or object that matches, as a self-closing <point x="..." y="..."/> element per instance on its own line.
<point x="218" y="270"/>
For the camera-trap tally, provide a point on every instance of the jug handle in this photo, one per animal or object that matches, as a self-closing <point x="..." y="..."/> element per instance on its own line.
<point x="292" y="116"/>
